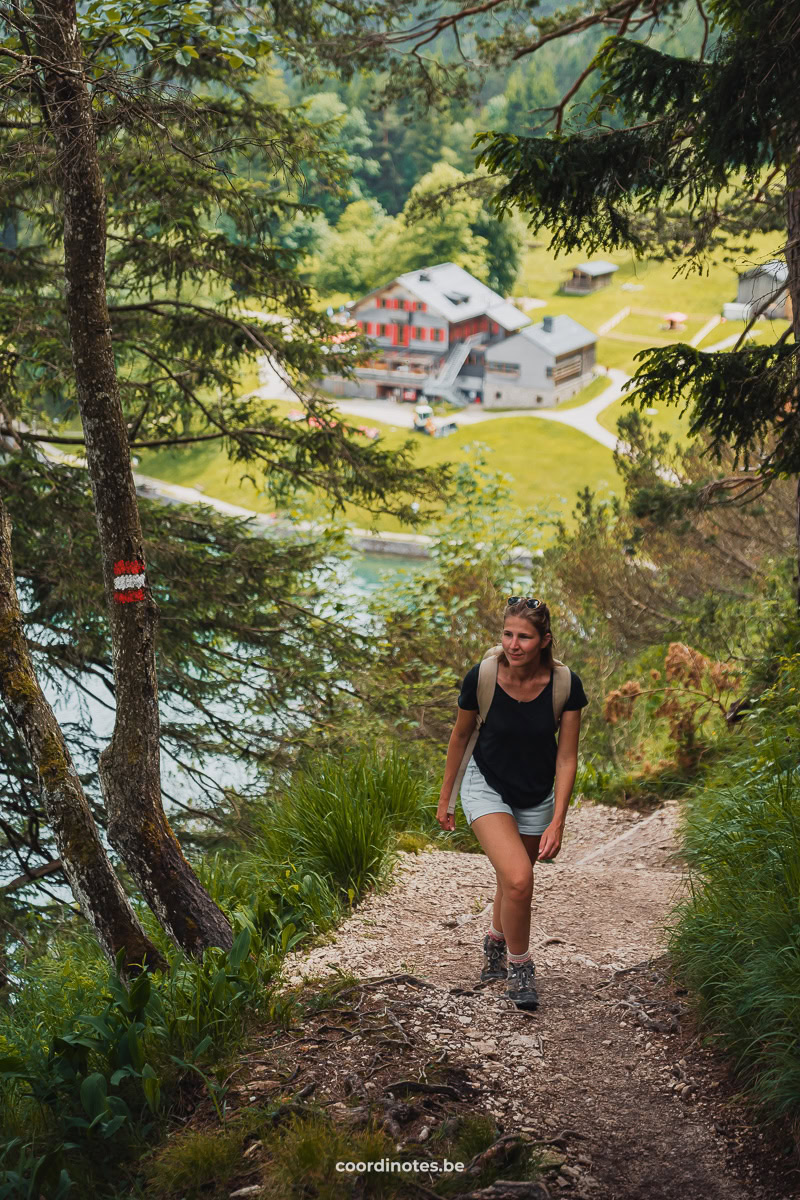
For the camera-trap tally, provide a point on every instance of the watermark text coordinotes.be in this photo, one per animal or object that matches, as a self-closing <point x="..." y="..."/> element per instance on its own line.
<point x="393" y="1164"/>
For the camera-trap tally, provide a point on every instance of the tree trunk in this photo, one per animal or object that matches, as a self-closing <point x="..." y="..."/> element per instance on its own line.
<point x="86" y="865"/>
<point x="130" y="766"/>
<point x="793" y="283"/>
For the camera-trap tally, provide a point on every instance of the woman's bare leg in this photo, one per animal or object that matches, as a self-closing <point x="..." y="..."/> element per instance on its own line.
<point x="531" y="843"/>
<point x="500" y="839"/>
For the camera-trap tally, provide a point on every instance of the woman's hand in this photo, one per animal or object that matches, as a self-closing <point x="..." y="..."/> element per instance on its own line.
<point x="550" y="844"/>
<point x="446" y="820"/>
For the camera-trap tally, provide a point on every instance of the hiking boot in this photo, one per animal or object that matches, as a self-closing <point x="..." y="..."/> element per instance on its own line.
<point x="521" y="986"/>
<point x="495" y="965"/>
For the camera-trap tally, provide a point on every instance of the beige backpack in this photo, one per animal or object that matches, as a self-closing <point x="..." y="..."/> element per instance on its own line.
<point x="487" y="679"/>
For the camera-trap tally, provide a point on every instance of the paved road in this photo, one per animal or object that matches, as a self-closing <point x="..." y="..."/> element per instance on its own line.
<point x="583" y="418"/>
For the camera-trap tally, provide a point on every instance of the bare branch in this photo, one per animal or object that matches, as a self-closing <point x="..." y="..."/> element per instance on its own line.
<point x="32" y="875"/>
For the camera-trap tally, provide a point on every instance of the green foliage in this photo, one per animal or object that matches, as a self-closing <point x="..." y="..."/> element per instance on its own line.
<point x="95" y="1059"/>
<point x="203" y="176"/>
<point x="692" y="128"/>
<point x="742" y="400"/>
<point x="337" y="818"/>
<point x="737" y="939"/>
<point x="347" y="256"/>
<point x="24" y="1175"/>
<point x="443" y="220"/>
<point x="101" y="1069"/>
<point x="197" y="1159"/>
<point x="707" y="153"/>
<point x="92" y="1091"/>
<point x="264" y="633"/>
<point x="446" y="235"/>
<point x="174" y="33"/>
<point x="304" y="1157"/>
<point x="288" y="901"/>
<point x="301" y="1155"/>
<point x="206" y="1001"/>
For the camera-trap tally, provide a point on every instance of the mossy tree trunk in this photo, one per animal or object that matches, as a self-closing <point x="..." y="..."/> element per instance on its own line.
<point x="793" y="283"/>
<point x="86" y="865"/>
<point x="130" y="766"/>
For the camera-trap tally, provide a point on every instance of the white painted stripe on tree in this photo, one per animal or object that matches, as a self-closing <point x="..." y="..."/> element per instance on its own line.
<point x="123" y="582"/>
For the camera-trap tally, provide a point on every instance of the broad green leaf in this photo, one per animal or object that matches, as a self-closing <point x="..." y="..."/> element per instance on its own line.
<point x="93" y="1095"/>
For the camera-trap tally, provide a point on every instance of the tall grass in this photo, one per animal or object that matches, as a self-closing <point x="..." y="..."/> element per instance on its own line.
<point x="338" y="819"/>
<point x="737" y="938"/>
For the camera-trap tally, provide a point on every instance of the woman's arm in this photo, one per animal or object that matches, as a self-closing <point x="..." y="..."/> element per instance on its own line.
<point x="566" y="770"/>
<point x="462" y="731"/>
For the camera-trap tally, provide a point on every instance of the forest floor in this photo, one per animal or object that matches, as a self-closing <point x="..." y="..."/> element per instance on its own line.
<point x="611" y="1077"/>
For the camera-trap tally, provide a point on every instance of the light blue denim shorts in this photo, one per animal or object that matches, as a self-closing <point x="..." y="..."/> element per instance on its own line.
<point x="477" y="799"/>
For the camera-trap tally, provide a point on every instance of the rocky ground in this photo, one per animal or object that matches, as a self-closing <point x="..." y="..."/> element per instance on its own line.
<point x="610" y="1078"/>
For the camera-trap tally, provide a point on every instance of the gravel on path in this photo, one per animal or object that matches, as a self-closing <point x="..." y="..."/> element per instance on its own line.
<point x="612" y="1055"/>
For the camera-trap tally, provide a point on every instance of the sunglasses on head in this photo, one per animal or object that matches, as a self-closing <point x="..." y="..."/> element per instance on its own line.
<point x="530" y="601"/>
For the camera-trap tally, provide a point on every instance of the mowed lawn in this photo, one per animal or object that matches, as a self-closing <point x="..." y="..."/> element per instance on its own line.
<point x="636" y="284"/>
<point x="654" y="287"/>
<point x="663" y="417"/>
<point x="548" y="463"/>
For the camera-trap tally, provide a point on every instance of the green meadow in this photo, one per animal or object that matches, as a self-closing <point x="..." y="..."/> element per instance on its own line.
<point x="548" y="463"/>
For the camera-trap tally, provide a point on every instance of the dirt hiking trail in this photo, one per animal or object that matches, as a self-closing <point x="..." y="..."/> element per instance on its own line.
<point x="611" y="1073"/>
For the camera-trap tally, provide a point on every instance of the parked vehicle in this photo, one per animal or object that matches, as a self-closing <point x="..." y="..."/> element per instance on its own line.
<point x="423" y="419"/>
<point x="424" y="423"/>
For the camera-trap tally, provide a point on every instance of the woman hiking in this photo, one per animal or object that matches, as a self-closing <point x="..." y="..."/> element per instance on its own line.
<point x="517" y="786"/>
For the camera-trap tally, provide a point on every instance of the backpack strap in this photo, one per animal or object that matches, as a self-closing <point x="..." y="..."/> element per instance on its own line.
<point x="487" y="680"/>
<point x="562" y="686"/>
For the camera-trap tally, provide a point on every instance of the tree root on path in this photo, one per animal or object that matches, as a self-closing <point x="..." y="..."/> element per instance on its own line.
<point x="416" y="1085"/>
<point x="498" y="1153"/>
<point x="507" y="1189"/>
<point x="414" y="980"/>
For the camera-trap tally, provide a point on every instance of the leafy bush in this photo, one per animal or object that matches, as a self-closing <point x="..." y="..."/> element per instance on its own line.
<point x="737" y="938"/>
<point x="95" y="1078"/>
<point x="287" y="903"/>
<point x="86" y="1058"/>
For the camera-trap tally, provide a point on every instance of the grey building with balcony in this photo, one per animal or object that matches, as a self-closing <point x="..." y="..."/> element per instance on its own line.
<point x="540" y="366"/>
<point x="762" y="292"/>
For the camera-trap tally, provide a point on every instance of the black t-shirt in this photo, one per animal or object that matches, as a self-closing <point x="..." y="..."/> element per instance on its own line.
<point x="516" y="747"/>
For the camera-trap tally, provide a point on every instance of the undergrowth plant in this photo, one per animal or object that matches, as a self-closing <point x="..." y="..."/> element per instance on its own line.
<point x="736" y="939"/>
<point x="89" y="1060"/>
<point x="338" y="817"/>
<point x="83" y="1089"/>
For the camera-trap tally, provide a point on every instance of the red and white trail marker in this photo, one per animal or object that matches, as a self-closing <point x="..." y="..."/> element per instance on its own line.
<point x="128" y="580"/>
